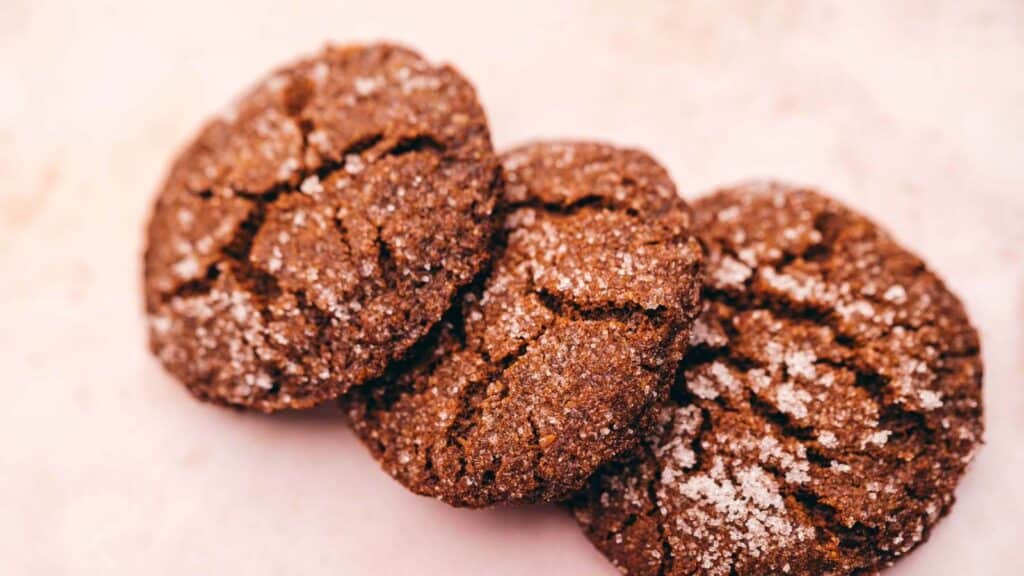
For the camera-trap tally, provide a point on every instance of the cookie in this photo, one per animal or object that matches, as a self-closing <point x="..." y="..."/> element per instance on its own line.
<point x="828" y="405"/>
<point x="314" y="232"/>
<point x="551" y="363"/>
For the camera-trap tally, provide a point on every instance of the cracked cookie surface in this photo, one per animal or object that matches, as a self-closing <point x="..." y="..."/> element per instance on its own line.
<point x="552" y="361"/>
<point x="319" y="227"/>
<point x="828" y="405"/>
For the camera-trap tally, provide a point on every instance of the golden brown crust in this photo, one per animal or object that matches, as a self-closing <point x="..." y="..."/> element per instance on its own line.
<point x="319" y="228"/>
<point x="553" y="361"/>
<point x="828" y="406"/>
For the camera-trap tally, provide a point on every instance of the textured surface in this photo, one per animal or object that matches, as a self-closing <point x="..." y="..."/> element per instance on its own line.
<point x="552" y="364"/>
<point x="823" y="416"/>
<point x="319" y="227"/>
<point x="909" y="112"/>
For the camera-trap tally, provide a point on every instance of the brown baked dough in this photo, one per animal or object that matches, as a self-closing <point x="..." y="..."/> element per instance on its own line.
<point x="552" y="363"/>
<point x="310" y="235"/>
<point x="829" y="404"/>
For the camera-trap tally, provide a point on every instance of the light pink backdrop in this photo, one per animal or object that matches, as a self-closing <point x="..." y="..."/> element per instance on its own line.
<point x="911" y="111"/>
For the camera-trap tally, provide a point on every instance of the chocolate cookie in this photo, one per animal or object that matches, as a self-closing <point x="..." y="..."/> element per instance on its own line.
<point x="314" y="232"/>
<point x="828" y="405"/>
<point x="552" y="362"/>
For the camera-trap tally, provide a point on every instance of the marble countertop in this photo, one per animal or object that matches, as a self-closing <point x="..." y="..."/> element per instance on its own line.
<point x="911" y="111"/>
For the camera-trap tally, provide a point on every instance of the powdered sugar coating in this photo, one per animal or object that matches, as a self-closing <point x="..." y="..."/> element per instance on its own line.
<point x="836" y="391"/>
<point x="310" y="236"/>
<point x="552" y="363"/>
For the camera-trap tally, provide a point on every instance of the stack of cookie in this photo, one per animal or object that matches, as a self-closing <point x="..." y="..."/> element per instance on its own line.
<point x="763" y="383"/>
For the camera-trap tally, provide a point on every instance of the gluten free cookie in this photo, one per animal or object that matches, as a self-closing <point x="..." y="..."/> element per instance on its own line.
<point x="829" y="403"/>
<point x="319" y="227"/>
<point x="551" y="364"/>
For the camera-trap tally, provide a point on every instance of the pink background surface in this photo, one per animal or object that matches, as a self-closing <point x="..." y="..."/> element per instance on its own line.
<point x="913" y="112"/>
